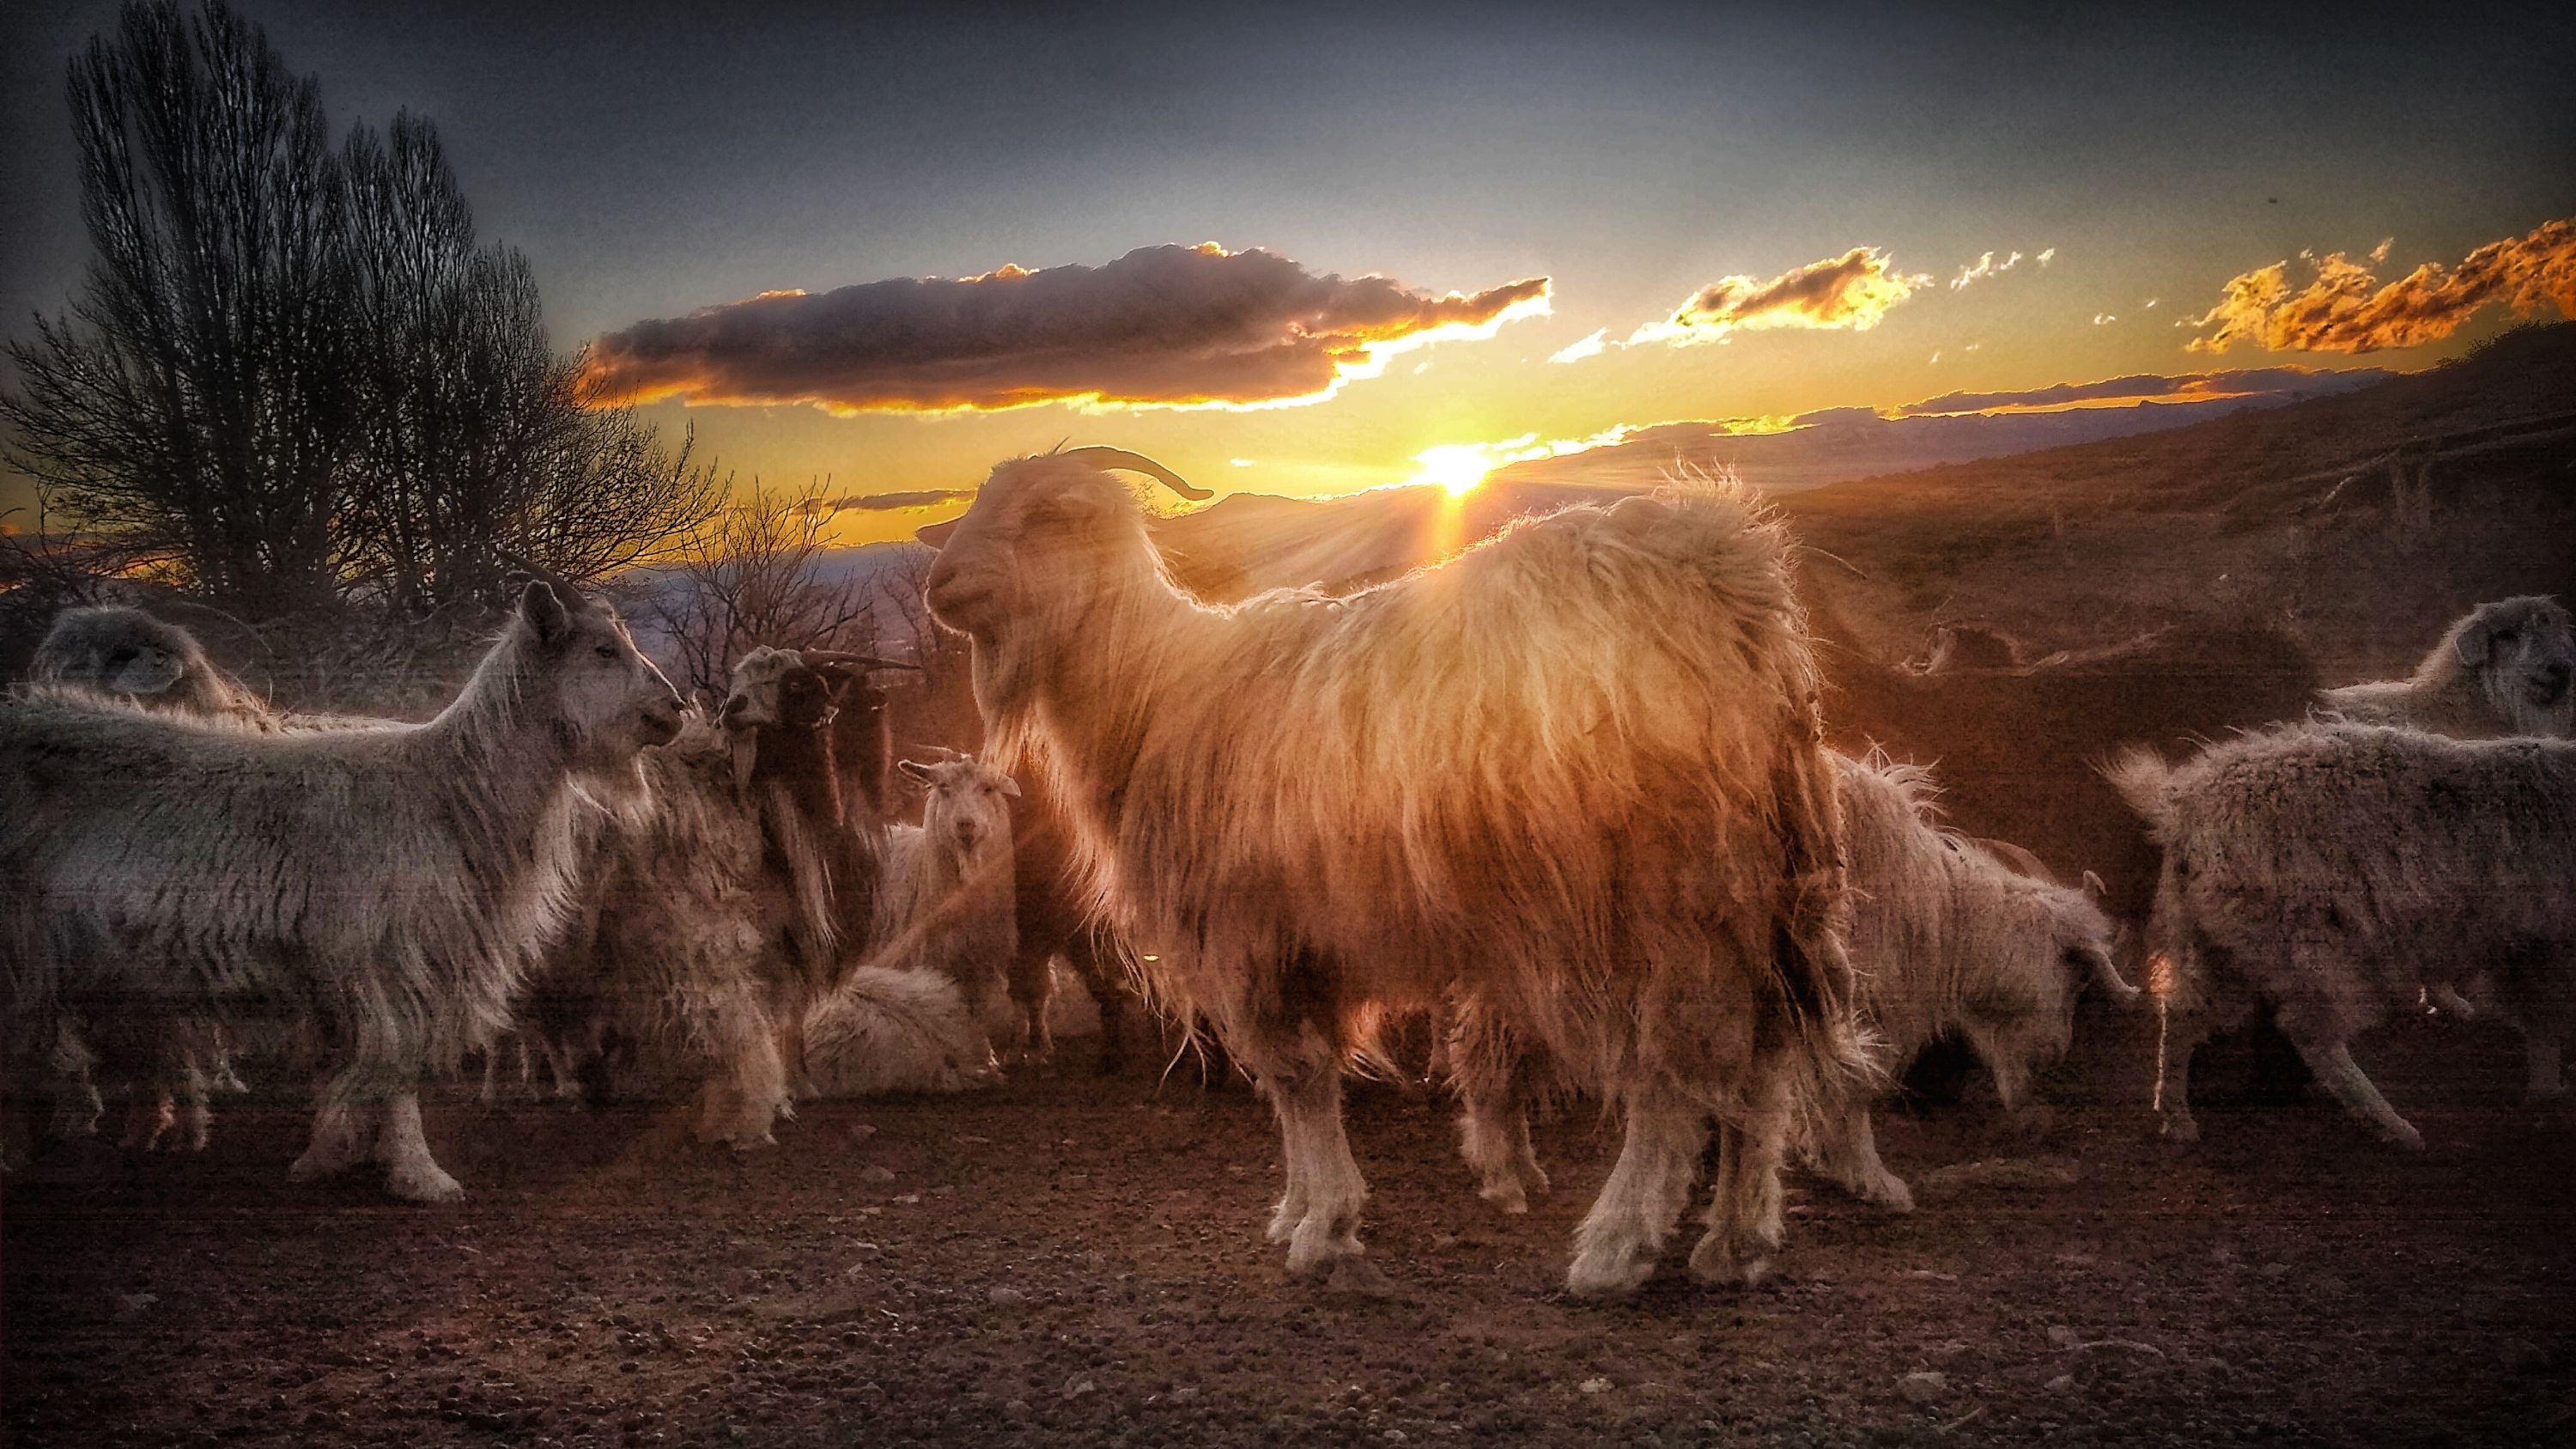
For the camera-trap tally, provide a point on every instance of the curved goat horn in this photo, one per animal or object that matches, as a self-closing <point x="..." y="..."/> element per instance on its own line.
<point x="848" y="660"/>
<point x="1138" y="463"/>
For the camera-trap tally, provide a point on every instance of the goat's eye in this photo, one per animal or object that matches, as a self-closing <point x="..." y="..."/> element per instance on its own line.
<point x="2504" y="636"/>
<point x="607" y="651"/>
<point x="121" y="656"/>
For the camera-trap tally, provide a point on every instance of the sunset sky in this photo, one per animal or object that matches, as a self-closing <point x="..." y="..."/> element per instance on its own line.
<point x="1296" y="249"/>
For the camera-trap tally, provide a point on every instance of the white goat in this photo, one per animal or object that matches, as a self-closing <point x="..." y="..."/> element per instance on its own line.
<point x="1573" y="776"/>
<point x="945" y="903"/>
<point x="395" y="881"/>
<point x="1945" y="937"/>
<point x="2334" y="870"/>
<point x="2503" y="669"/>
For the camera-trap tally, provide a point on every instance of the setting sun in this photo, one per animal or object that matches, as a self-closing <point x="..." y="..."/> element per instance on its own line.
<point x="1458" y="467"/>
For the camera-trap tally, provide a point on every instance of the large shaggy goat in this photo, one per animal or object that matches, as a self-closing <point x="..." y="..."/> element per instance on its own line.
<point x="2333" y="871"/>
<point x="2503" y="669"/>
<point x="1945" y="937"/>
<point x="394" y="881"/>
<point x="1572" y="776"/>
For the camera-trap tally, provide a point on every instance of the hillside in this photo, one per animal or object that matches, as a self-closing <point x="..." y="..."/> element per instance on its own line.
<point x="2275" y="515"/>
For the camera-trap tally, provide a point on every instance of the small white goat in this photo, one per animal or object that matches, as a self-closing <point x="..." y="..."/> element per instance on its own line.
<point x="2503" y="669"/>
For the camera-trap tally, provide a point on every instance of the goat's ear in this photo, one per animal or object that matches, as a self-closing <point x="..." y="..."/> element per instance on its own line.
<point x="915" y="771"/>
<point x="1010" y="787"/>
<point x="936" y="534"/>
<point x="545" y="613"/>
<point x="2474" y="640"/>
<point x="2094" y="887"/>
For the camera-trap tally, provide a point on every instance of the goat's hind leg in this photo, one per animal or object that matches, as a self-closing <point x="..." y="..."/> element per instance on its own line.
<point x="1490" y="1071"/>
<point x="344" y="1127"/>
<point x="1745" y="1221"/>
<point x="2334" y="1066"/>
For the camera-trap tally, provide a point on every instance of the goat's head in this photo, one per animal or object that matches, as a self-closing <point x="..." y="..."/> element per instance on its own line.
<point x="2522" y="654"/>
<point x="605" y="696"/>
<point x="2019" y="1008"/>
<point x="967" y="803"/>
<point x="793" y="692"/>
<point x="1043" y="530"/>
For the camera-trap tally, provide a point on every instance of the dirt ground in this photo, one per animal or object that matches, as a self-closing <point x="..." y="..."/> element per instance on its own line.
<point x="1071" y="1259"/>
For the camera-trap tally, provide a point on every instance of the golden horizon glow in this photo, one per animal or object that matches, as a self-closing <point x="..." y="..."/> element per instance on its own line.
<point x="1455" y="467"/>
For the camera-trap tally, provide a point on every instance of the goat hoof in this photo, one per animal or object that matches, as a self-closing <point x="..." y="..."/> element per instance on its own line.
<point x="1315" y="1251"/>
<point x="1609" y="1272"/>
<point x="1506" y="1197"/>
<point x="424" y="1184"/>
<point x="1716" y="1262"/>
<point x="1889" y="1193"/>
<point x="2406" y="1137"/>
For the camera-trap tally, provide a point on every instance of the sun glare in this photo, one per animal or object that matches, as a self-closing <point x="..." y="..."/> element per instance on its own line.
<point x="1458" y="467"/>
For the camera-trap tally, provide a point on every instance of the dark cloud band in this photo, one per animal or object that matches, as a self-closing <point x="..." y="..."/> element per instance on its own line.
<point x="1164" y="326"/>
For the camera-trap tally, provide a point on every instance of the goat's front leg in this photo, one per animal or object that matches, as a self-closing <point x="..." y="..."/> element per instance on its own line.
<point x="1319" y="1214"/>
<point x="1620" y="1240"/>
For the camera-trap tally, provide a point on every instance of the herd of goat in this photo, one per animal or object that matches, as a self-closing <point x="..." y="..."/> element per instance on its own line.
<point x="1588" y="796"/>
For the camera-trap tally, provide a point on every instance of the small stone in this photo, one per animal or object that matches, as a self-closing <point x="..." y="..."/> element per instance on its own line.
<point x="1016" y="1408"/>
<point x="1008" y="1298"/>
<point x="1594" y="1386"/>
<point x="2062" y="1384"/>
<point x="876" y="1173"/>
<point x="1080" y="1387"/>
<point x="1185" y="1394"/>
<point x="2062" y="1337"/>
<point x="129" y="1305"/>
<point x="2274" y="1270"/>
<point x="1923" y="1387"/>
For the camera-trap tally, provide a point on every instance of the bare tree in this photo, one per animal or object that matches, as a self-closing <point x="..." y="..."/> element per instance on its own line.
<point x="198" y="392"/>
<point x="296" y="369"/>
<point x="755" y="574"/>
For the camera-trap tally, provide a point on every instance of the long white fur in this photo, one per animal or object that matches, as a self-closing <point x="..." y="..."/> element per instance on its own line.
<point x="2336" y="870"/>
<point x="2502" y="669"/>
<point x="393" y="881"/>
<point x="1573" y="775"/>
<point x="883" y="1030"/>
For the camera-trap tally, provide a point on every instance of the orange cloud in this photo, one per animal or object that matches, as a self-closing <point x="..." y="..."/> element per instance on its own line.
<point x="2344" y="308"/>
<point x="1163" y="326"/>
<point x="1852" y="291"/>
